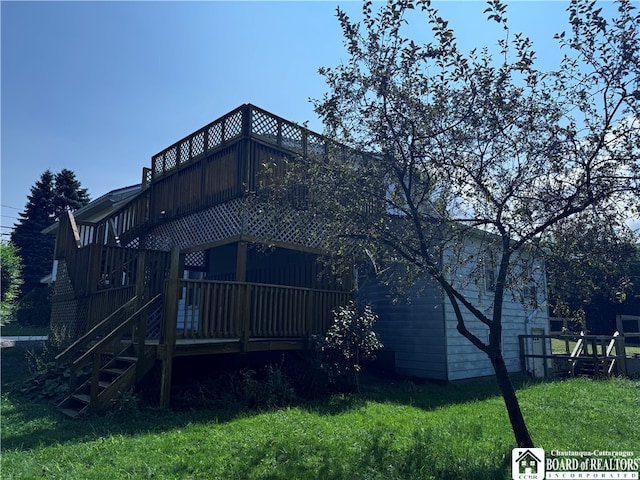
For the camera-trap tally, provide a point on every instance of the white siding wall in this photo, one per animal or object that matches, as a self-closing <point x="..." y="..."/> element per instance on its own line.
<point x="464" y="360"/>
<point x="411" y="328"/>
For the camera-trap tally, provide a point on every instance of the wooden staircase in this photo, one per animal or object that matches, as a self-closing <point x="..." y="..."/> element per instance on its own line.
<point x="108" y="360"/>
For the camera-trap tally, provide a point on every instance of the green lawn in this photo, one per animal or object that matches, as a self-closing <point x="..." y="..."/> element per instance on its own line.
<point x="393" y="429"/>
<point x="558" y="346"/>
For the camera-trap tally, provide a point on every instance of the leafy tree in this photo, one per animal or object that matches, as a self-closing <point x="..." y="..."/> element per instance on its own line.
<point x="594" y="270"/>
<point x="10" y="280"/>
<point x="474" y="145"/>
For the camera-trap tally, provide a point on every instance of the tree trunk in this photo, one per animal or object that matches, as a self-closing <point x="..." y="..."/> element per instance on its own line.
<point x="520" y="430"/>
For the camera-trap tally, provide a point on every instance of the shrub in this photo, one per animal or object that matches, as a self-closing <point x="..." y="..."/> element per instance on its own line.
<point x="348" y="342"/>
<point x="34" y="309"/>
<point x="47" y="380"/>
<point x="269" y="387"/>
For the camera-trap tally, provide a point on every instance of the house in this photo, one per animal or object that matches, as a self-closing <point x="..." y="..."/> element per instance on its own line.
<point x="193" y="262"/>
<point x="420" y="327"/>
<point x="94" y="212"/>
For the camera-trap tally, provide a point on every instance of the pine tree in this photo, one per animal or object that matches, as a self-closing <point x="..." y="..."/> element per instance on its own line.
<point x="69" y="194"/>
<point x="50" y="196"/>
<point x="35" y="248"/>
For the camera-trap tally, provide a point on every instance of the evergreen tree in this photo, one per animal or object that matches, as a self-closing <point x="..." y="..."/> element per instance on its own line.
<point x="35" y="248"/>
<point x="69" y="194"/>
<point x="51" y="196"/>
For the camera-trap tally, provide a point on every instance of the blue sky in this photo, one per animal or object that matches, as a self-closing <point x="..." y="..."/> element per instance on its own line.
<point x="100" y="87"/>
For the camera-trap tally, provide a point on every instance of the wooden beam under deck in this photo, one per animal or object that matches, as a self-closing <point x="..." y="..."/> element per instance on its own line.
<point x="189" y="347"/>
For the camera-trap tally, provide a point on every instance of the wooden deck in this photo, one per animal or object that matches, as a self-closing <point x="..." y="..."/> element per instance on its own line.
<point x="212" y="346"/>
<point x="126" y="287"/>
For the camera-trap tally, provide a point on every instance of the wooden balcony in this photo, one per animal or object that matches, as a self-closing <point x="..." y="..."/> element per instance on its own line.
<point x="237" y="154"/>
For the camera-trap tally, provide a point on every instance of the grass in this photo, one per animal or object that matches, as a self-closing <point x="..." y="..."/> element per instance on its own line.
<point x="393" y="429"/>
<point x="558" y="346"/>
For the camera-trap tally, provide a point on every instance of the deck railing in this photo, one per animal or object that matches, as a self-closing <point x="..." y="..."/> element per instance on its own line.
<point x="212" y="309"/>
<point x="244" y="121"/>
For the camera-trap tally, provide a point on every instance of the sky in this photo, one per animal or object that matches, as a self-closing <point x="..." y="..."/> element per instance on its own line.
<point x="100" y="87"/>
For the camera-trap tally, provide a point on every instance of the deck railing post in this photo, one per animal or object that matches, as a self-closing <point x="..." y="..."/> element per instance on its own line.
<point x="244" y="310"/>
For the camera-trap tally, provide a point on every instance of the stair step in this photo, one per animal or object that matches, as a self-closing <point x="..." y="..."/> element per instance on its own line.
<point x="70" y="412"/>
<point x="82" y="397"/>
<point x="127" y="359"/>
<point x="113" y="370"/>
<point x="103" y="383"/>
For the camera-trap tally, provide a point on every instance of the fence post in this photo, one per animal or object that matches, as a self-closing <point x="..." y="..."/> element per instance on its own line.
<point x="621" y="355"/>
<point x="545" y="366"/>
<point x="523" y="362"/>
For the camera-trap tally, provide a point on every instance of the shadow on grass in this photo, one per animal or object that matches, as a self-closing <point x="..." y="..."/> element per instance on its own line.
<point x="29" y="423"/>
<point x="421" y="394"/>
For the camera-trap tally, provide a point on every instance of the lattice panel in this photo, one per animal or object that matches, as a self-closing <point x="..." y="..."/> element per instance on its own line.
<point x="216" y="223"/>
<point x="292" y="137"/>
<point x="154" y="323"/>
<point x="233" y="126"/>
<point x="286" y="226"/>
<point x="170" y="158"/>
<point x="134" y="243"/>
<point x="185" y="154"/>
<point x="234" y="218"/>
<point x="62" y="285"/>
<point x="264" y="125"/>
<point x="63" y="319"/>
<point x="157" y="164"/>
<point x="197" y="144"/>
<point x="215" y="135"/>
<point x="68" y="315"/>
<point x="194" y="259"/>
<point x="315" y="145"/>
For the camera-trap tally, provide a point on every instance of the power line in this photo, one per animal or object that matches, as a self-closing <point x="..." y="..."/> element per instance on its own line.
<point x="8" y="206"/>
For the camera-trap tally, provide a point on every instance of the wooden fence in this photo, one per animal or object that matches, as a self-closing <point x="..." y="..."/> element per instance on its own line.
<point x="605" y="354"/>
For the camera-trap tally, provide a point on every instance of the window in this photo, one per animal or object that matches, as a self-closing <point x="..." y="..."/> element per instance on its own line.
<point x="490" y="271"/>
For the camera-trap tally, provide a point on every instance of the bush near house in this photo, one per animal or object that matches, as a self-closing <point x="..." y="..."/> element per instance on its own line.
<point x="34" y="309"/>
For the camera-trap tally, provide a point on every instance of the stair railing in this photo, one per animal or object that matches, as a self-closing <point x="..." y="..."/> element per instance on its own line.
<point x="111" y="345"/>
<point x="96" y="333"/>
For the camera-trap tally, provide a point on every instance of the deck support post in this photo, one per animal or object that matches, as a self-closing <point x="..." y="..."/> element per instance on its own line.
<point x="168" y="338"/>
<point x="140" y="335"/>
<point x="243" y="299"/>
